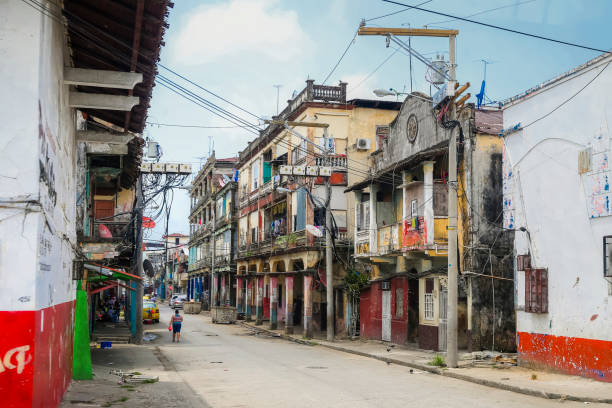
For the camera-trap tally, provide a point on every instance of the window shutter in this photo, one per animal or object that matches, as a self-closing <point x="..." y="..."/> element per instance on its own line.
<point x="536" y="290"/>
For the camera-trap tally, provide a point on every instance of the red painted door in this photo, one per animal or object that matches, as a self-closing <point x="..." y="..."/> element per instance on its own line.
<point x="266" y="302"/>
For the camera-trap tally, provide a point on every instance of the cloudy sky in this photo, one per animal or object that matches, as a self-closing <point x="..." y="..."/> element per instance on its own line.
<point x="240" y="49"/>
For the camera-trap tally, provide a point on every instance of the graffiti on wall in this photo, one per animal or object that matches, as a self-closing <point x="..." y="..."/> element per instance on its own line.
<point x="47" y="159"/>
<point x="16" y="359"/>
<point x="507" y="190"/>
<point x="597" y="178"/>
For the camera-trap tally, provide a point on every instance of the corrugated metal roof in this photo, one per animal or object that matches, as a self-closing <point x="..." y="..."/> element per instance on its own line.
<point x="489" y="121"/>
<point x="119" y="36"/>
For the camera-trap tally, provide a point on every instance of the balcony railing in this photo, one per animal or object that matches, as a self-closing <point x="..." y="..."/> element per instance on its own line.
<point x="278" y="243"/>
<point x="388" y="239"/>
<point x="109" y="231"/>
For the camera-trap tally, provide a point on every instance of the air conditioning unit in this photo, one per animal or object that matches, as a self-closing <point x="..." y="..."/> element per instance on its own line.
<point x="299" y="170"/>
<point x="172" y="167"/>
<point x="312" y="170"/>
<point x="184" y="168"/>
<point x="363" y="144"/>
<point x="386" y="285"/>
<point x="145" y="167"/>
<point x="158" y="167"/>
<point x="286" y="170"/>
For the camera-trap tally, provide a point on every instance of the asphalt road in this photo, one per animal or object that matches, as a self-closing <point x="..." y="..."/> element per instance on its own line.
<point x="228" y="366"/>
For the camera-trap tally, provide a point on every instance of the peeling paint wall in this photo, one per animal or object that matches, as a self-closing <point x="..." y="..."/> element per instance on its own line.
<point x="545" y="194"/>
<point x="38" y="232"/>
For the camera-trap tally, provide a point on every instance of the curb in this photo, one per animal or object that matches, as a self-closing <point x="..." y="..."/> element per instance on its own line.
<point x="444" y="373"/>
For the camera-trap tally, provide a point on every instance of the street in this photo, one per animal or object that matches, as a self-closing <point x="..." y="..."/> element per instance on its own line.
<point x="228" y="366"/>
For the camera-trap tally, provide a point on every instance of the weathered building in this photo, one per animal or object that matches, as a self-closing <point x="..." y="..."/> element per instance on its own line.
<point x="281" y="277"/>
<point x="55" y="61"/>
<point x="557" y="199"/>
<point x="401" y="238"/>
<point x="213" y="229"/>
<point x="177" y="258"/>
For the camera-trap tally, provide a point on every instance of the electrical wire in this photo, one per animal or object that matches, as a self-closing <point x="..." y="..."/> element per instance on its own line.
<point x="193" y="126"/>
<point x="399" y="11"/>
<point x="510" y="30"/>
<point x="482" y="12"/>
<point x="341" y="57"/>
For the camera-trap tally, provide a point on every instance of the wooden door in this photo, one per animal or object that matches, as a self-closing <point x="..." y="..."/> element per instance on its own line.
<point x="386" y="315"/>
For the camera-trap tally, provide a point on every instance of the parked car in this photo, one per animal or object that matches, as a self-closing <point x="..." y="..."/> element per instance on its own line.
<point x="177" y="302"/>
<point x="150" y="311"/>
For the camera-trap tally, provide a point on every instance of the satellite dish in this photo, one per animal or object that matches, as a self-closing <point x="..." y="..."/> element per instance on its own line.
<point x="314" y="230"/>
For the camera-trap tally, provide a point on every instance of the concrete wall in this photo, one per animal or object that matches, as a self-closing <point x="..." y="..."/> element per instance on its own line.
<point x="37" y="173"/>
<point x="545" y="194"/>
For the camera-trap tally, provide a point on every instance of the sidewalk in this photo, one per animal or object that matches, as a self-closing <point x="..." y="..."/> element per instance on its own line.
<point x="517" y="379"/>
<point x="106" y="391"/>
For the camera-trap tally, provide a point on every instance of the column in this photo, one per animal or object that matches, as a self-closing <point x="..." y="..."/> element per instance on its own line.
<point x="357" y="224"/>
<point x="307" y="306"/>
<point x="249" y="298"/>
<point x="259" y="306"/>
<point x="373" y="224"/>
<point x="189" y="289"/>
<point x="273" y="302"/>
<point x="289" y="304"/>
<point x="215" y="286"/>
<point x="428" y="204"/>
<point x="239" y="295"/>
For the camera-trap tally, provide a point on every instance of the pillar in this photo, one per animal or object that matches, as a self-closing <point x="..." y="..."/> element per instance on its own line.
<point x="188" y="287"/>
<point x="259" y="306"/>
<point x="223" y="292"/>
<point x="307" y="306"/>
<point x="357" y="223"/>
<point x="249" y="298"/>
<point x="273" y="302"/>
<point x="373" y="223"/>
<point x="239" y="294"/>
<point x="428" y="204"/>
<point x="133" y="300"/>
<point x="214" y="289"/>
<point x="289" y="304"/>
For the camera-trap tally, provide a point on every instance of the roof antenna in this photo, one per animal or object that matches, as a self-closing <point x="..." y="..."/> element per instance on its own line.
<point x="481" y="95"/>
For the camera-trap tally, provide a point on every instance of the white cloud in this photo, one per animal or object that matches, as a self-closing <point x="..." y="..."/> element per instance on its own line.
<point x="241" y="27"/>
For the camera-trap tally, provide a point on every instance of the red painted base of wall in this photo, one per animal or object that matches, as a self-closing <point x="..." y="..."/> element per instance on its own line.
<point x="36" y="356"/>
<point x="370" y="311"/>
<point x="571" y="355"/>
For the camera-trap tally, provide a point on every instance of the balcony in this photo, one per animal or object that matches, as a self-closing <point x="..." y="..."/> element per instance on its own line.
<point x="362" y="243"/>
<point x="272" y="244"/>
<point x="109" y="231"/>
<point x="314" y="92"/>
<point x="389" y="239"/>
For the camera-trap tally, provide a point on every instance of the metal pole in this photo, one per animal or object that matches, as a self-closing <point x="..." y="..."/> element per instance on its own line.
<point x="451" y="332"/>
<point x="329" y="263"/>
<point x="213" y="288"/>
<point x="139" y="267"/>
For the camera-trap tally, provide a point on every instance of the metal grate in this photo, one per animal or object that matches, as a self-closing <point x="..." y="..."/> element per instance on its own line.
<point x="536" y="290"/>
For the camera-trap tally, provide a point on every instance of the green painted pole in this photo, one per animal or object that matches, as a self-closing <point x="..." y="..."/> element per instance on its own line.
<point x="81" y="354"/>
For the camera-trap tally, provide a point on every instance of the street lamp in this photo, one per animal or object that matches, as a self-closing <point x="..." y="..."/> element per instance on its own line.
<point x="383" y="92"/>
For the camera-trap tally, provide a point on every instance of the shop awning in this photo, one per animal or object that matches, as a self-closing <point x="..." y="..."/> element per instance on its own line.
<point x="107" y="273"/>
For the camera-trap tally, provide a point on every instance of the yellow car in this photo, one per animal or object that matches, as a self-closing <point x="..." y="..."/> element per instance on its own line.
<point x="150" y="311"/>
<point x="146" y="297"/>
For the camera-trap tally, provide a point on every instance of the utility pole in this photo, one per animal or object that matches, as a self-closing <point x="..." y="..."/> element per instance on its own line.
<point x="391" y="33"/>
<point x="139" y="267"/>
<point x="329" y="263"/>
<point x="451" y="322"/>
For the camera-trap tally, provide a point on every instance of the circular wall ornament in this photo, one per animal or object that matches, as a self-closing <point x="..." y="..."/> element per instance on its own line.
<point x="412" y="128"/>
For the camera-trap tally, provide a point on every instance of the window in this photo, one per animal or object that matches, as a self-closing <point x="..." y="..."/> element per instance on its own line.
<point x="607" y="253"/>
<point x="536" y="290"/>
<point x="429" y="306"/>
<point x="255" y="173"/>
<point x="414" y="209"/>
<point x="253" y="235"/>
<point x="176" y="241"/>
<point x="399" y="302"/>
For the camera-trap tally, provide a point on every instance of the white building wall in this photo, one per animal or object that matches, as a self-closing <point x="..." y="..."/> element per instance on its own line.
<point x="37" y="135"/>
<point x="551" y="200"/>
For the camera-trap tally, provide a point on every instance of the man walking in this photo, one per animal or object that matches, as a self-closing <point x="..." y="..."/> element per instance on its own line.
<point x="176" y="321"/>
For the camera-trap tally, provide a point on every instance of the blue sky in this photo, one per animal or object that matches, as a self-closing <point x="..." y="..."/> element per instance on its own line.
<point x="241" y="48"/>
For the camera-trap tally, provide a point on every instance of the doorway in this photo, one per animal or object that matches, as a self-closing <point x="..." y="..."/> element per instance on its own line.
<point x="386" y="315"/>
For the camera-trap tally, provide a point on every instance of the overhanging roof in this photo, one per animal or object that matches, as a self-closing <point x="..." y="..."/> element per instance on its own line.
<point x="118" y="35"/>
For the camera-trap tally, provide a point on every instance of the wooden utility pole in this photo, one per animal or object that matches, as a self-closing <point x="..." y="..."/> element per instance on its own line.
<point x="390" y="33"/>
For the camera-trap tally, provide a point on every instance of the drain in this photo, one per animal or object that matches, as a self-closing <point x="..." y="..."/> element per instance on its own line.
<point x="317" y="368"/>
